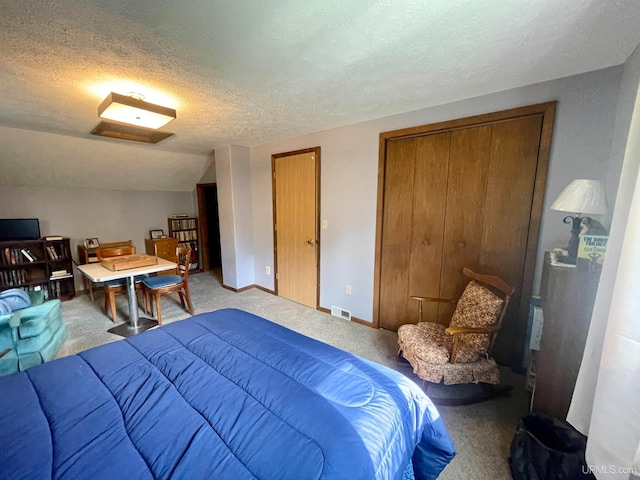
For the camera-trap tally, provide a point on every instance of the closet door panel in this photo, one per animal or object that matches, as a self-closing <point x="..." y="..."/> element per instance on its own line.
<point x="509" y="197"/>
<point x="465" y="210"/>
<point x="429" y="203"/>
<point x="396" y="232"/>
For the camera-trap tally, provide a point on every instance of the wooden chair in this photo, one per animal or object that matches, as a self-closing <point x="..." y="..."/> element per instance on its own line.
<point x="112" y="287"/>
<point x="460" y="353"/>
<point x="163" y="284"/>
<point x="85" y="253"/>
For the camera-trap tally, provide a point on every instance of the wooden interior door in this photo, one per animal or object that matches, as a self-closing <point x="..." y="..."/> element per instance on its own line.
<point x="465" y="196"/>
<point x="295" y="181"/>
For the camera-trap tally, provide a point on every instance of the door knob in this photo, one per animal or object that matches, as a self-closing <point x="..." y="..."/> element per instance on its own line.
<point x="310" y="241"/>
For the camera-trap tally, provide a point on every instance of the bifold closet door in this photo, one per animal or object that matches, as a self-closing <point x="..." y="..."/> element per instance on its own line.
<point x="415" y="194"/>
<point x="490" y="194"/>
<point x="454" y="200"/>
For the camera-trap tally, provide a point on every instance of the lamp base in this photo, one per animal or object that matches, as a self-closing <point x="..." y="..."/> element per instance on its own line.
<point x="574" y="241"/>
<point x="567" y="260"/>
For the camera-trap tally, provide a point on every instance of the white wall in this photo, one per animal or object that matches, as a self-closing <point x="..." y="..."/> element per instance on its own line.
<point x="108" y="215"/>
<point x="209" y="175"/>
<point x="626" y="141"/>
<point x="233" y="176"/>
<point x="243" y="218"/>
<point x="349" y="164"/>
<point x="46" y="159"/>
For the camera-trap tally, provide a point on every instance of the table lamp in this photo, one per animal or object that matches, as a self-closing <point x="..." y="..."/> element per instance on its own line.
<point x="580" y="197"/>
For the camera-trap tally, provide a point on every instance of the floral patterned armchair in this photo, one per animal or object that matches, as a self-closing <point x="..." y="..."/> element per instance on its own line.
<point x="460" y="353"/>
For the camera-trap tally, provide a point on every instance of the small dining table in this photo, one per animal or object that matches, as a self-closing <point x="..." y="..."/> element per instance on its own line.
<point x="136" y="324"/>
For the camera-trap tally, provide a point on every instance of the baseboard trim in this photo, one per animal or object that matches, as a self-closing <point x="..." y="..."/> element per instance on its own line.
<point x="353" y="319"/>
<point x="248" y="287"/>
<point x="264" y="289"/>
<point x="237" y="290"/>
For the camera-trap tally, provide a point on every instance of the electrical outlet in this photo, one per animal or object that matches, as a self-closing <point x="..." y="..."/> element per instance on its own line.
<point x="267" y="270"/>
<point x="348" y="289"/>
<point x="325" y="224"/>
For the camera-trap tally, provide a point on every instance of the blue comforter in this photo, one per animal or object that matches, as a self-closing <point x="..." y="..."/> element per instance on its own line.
<point x="222" y="395"/>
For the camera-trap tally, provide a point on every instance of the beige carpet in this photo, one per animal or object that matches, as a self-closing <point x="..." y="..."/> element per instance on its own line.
<point x="481" y="432"/>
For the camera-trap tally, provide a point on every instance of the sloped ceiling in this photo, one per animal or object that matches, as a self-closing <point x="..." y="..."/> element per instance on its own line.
<point x="246" y="72"/>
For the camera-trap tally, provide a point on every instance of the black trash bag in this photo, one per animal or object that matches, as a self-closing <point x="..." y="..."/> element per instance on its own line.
<point x="545" y="448"/>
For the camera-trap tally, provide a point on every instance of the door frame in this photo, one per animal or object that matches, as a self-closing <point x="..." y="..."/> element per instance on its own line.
<point x="274" y="157"/>
<point x="204" y="229"/>
<point x="547" y="111"/>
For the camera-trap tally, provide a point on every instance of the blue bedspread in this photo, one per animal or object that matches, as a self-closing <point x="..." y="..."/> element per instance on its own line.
<point x="222" y="395"/>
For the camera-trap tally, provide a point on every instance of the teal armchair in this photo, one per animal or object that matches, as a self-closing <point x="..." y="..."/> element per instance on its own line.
<point x="30" y="336"/>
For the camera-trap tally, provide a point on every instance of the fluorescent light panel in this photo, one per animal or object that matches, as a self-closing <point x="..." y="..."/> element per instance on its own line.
<point x="133" y="111"/>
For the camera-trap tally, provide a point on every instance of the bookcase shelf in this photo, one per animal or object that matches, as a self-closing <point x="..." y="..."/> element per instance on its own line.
<point x="35" y="265"/>
<point x="185" y="230"/>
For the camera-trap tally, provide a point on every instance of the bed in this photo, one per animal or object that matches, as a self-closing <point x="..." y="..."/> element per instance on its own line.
<point x="222" y="395"/>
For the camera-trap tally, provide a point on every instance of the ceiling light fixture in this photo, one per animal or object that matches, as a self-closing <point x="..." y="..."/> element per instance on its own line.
<point x="130" y="132"/>
<point x="133" y="110"/>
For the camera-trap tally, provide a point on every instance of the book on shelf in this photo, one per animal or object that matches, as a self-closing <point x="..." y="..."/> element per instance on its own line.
<point x="27" y="255"/>
<point x="60" y="277"/>
<point x="53" y="255"/>
<point x="56" y="273"/>
<point x="591" y="251"/>
<point x="53" y="237"/>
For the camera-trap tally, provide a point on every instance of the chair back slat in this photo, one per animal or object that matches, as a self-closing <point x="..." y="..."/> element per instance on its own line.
<point x="184" y="261"/>
<point x="114" y="252"/>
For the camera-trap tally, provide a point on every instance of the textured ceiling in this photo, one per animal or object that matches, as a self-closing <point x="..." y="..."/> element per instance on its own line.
<point x="249" y="71"/>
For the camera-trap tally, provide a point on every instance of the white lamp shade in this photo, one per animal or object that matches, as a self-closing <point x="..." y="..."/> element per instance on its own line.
<point x="582" y="196"/>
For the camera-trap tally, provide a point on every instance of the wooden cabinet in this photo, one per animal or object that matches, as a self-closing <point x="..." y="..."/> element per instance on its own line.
<point x="567" y="297"/>
<point x="464" y="193"/>
<point x="163" y="248"/>
<point x="38" y="265"/>
<point x="185" y="230"/>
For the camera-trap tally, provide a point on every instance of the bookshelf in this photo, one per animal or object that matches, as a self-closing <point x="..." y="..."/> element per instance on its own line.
<point x="38" y="265"/>
<point x="185" y="230"/>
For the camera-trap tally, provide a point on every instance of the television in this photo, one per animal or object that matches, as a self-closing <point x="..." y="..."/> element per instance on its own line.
<point x="19" y="229"/>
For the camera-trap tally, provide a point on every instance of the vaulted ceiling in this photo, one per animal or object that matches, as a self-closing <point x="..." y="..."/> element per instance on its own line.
<point x="246" y="72"/>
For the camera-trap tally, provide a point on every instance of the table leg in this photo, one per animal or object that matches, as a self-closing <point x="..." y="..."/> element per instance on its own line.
<point x="135" y="324"/>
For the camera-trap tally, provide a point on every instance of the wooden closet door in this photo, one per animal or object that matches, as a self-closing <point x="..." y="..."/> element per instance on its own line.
<point x="508" y="204"/>
<point x="464" y="214"/>
<point x="428" y="223"/>
<point x="413" y="222"/>
<point x="489" y="200"/>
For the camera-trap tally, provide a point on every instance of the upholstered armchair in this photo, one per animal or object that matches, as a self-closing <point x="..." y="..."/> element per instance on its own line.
<point x="30" y="336"/>
<point x="461" y="352"/>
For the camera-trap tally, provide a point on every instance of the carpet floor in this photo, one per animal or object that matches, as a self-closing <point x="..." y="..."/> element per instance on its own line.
<point x="481" y="432"/>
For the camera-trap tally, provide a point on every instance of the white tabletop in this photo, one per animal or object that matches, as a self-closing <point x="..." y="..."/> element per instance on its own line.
<point x="97" y="273"/>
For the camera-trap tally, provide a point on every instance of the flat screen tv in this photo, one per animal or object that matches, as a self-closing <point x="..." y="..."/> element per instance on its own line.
<point x="19" y="229"/>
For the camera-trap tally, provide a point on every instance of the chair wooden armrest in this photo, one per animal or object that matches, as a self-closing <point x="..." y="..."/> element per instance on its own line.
<point x="429" y="299"/>
<point x="463" y="330"/>
<point x="432" y="299"/>
<point x="457" y="331"/>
